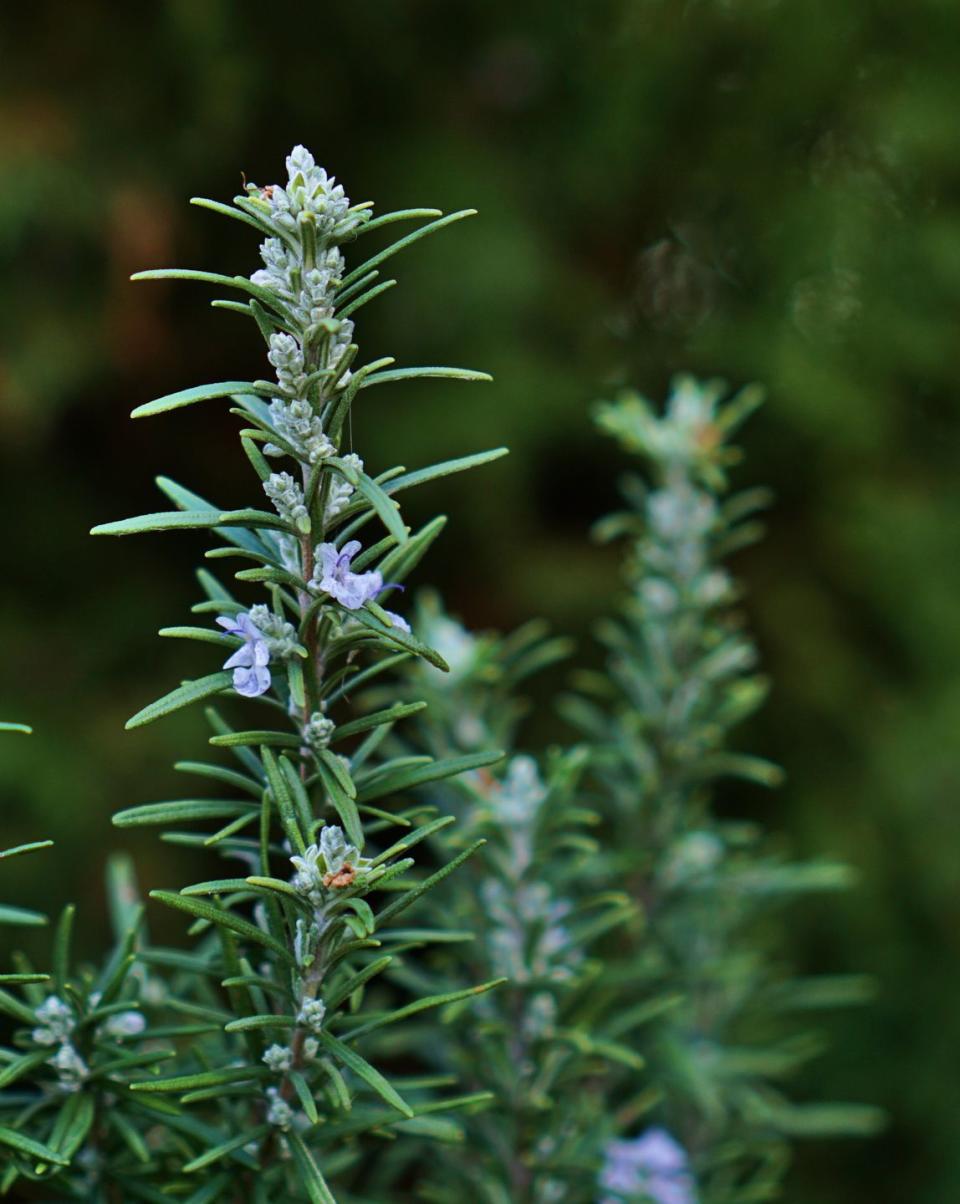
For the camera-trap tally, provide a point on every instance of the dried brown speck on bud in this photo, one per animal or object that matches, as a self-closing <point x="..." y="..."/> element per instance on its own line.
<point x="268" y="191"/>
<point x="343" y="877"/>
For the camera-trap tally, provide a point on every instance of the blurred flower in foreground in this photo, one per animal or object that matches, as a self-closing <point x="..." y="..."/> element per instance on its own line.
<point x="652" y="1168"/>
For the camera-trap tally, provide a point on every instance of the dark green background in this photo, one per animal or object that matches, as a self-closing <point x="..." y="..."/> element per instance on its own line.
<point x="763" y="190"/>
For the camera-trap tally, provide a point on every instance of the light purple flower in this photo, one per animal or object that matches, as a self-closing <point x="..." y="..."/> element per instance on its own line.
<point x="397" y="621"/>
<point x="652" y="1167"/>
<point x="334" y="577"/>
<point x="251" y="677"/>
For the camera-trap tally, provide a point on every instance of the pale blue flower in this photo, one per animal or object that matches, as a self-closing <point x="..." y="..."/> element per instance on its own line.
<point x="334" y="576"/>
<point x="397" y="621"/>
<point x="653" y="1167"/>
<point x="251" y="677"/>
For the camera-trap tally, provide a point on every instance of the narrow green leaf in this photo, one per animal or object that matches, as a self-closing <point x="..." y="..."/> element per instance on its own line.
<point x="180" y="811"/>
<point x="343" y="804"/>
<point x="363" y="1070"/>
<point x="401" y="215"/>
<point x="310" y="1174"/>
<point x="227" y="1147"/>
<point x="386" y="509"/>
<point x="61" y="947"/>
<point x="399" y="710"/>
<point x="422" y="1005"/>
<point x="268" y="1020"/>
<point x="411" y="896"/>
<point x="364" y="298"/>
<point x="205" y="1078"/>
<point x="219" y="915"/>
<point x="414" y="838"/>
<point x="408" y="479"/>
<point x="77" y="1117"/>
<point x="203" y="202"/>
<point x="205" y="635"/>
<point x="182" y="696"/>
<point x="129" y="1135"/>
<point x="392" y="374"/>
<point x="186" y="397"/>
<point x="345" y="989"/>
<point x="21" y="916"/>
<point x="32" y="847"/>
<point x="305" y="1095"/>
<point x="243" y="283"/>
<point x="23" y="1065"/>
<point x="220" y="773"/>
<point x="11" y="1006"/>
<point x="165" y="520"/>
<point x="259" y="736"/>
<point x="280" y="790"/>
<point x="376" y="619"/>
<point x="401" y="243"/>
<point x="25" y="1145"/>
<point x="418" y="775"/>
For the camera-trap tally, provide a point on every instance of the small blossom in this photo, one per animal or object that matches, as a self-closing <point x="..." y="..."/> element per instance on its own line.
<point x="458" y="647"/>
<point x="341" y="491"/>
<point x="124" y="1024"/>
<point x="251" y="677"/>
<point x="310" y="190"/>
<point x="289" y="551"/>
<point x="312" y="1013"/>
<point x="299" y="425"/>
<point x="318" y="731"/>
<point x="286" y="355"/>
<point x="311" y="1047"/>
<point x="279" y="635"/>
<point x="70" y="1067"/>
<point x="309" y="873"/>
<point x="335" y="849"/>
<point x="279" y="1058"/>
<point x="653" y="1166"/>
<point x="335" y="578"/>
<point x="287" y="498"/>
<point x="397" y="621"/>
<point x="56" y="1021"/>
<point x="279" y="1112"/>
<point x="521" y="792"/>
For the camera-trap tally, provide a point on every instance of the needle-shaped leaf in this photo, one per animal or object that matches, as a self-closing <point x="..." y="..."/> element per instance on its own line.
<point x="410" y="776"/>
<point x="400" y="244"/>
<point x="418" y="373"/>
<point x="310" y="1174"/>
<point x="226" y="919"/>
<point x="182" y="696"/>
<point x="21" y="916"/>
<point x="363" y="1070"/>
<point x="181" y="811"/>
<point x="33" y="1149"/>
<point x="164" y="520"/>
<point x="399" y="710"/>
<point x="187" y="397"/>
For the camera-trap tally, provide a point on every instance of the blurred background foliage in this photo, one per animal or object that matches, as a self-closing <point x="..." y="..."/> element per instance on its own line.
<point x="754" y="189"/>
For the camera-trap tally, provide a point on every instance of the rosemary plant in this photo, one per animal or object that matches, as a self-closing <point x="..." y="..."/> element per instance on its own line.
<point x="63" y="1078"/>
<point x="681" y="674"/>
<point x="277" y="1094"/>
<point x="591" y="1009"/>
<point x="528" y="900"/>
